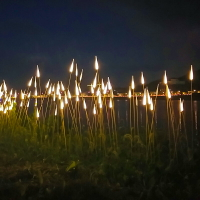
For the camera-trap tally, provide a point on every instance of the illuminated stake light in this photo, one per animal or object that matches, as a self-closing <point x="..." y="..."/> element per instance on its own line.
<point x="37" y="113"/>
<point x="102" y="85"/>
<point x="84" y="104"/>
<point x="22" y="95"/>
<point x="35" y="102"/>
<point x="109" y="84"/>
<point x="100" y="105"/>
<point x="58" y="89"/>
<point x="36" y="92"/>
<point x="61" y="105"/>
<point x="79" y="89"/>
<point x="94" y="110"/>
<point x="76" y="72"/>
<point x="71" y="67"/>
<point x="165" y="78"/>
<point x="35" y="83"/>
<point x="55" y="113"/>
<point x="59" y="96"/>
<point x="105" y="89"/>
<point x="38" y="72"/>
<point x="136" y="101"/>
<point x="92" y="89"/>
<point x="81" y="75"/>
<point x="191" y="73"/>
<point x="66" y="100"/>
<point x="53" y="88"/>
<point x="11" y="91"/>
<point x="144" y="101"/>
<point x="77" y="98"/>
<point x="98" y="92"/>
<point x="4" y="86"/>
<point x="11" y="106"/>
<point x="76" y="89"/>
<point x="62" y="86"/>
<point x="95" y="81"/>
<point x="47" y="85"/>
<point x="148" y="96"/>
<point x="54" y="96"/>
<point x="49" y="90"/>
<point x="99" y="99"/>
<point x="142" y="78"/>
<point x="5" y="110"/>
<point x="168" y="93"/>
<point x="111" y="94"/>
<point x="181" y="105"/>
<point x="129" y="93"/>
<point x="69" y="95"/>
<point x="21" y="103"/>
<point x="151" y="105"/>
<point x="96" y="63"/>
<point x="29" y="94"/>
<point x="28" y="104"/>
<point x="132" y="84"/>
<point x="110" y="103"/>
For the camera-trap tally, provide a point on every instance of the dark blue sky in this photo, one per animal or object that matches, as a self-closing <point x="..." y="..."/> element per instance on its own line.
<point x="128" y="37"/>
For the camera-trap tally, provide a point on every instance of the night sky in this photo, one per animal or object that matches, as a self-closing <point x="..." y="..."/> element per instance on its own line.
<point x="128" y="37"/>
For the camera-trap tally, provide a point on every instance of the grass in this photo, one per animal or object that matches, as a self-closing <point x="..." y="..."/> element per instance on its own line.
<point x="72" y="147"/>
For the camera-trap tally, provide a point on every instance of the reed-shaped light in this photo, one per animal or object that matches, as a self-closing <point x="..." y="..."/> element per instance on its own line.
<point x="37" y="113"/>
<point x="165" y="78"/>
<point x="96" y="63"/>
<point x="181" y="105"/>
<point x="47" y="85"/>
<point x="30" y="82"/>
<point x="38" y="72"/>
<point x="84" y="104"/>
<point x="144" y="101"/>
<point x="71" y="67"/>
<point x="94" y="110"/>
<point x="191" y="73"/>
<point x="132" y="84"/>
<point x="142" y="78"/>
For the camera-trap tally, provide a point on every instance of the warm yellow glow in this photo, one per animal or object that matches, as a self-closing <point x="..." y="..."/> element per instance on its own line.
<point x="109" y="84"/>
<point x="94" y="110"/>
<point x="81" y="75"/>
<point x="79" y="89"/>
<point x="102" y="85"/>
<point x="29" y="94"/>
<point x="71" y="67"/>
<point x="35" y="102"/>
<point x="151" y="105"/>
<point x="5" y="110"/>
<point x="98" y="92"/>
<point x="95" y="81"/>
<point x="148" y="96"/>
<point x="66" y="100"/>
<point x="22" y="95"/>
<point x="27" y="104"/>
<point x="144" y="101"/>
<point x="56" y="111"/>
<point x="54" y="96"/>
<point x="76" y="89"/>
<point x="15" y="95"/>
<point x="30" y="82"/>
<point x="110" y="103"/>
<point x="47" y="85"/>
<point x="100" y="105"/>
<point x="96" y="63"/>
<point x="58" y="89"/>
<point x="181" y="105"/>
<point x="49" y="90"/>
<point x="77" y="98"/>
<point x="36" y="92"/>
<point x="4" y="86"/>
<point x="21" y="103"/>
<point x="129" y="93"/>
<point x="69" y="94"/>
<point x="62" y="86"/>
<point x="38" y="72"/>
<point x="59" y="96"/>
<point x="105" y="89"/>
<point x="132" y="84"/>
<point x="92" y="89"/>
<point x="136" y="101"/>
<point x="84" y="104"/>
<point x="168" y="93"/>
<point x="99" y="99"/>
<point x="11" y="91"/>
<point x="191" y="73"/>
<point x="142" y="78"/>
<point x="165" y="78"/>
<point x="53" y="88"/>
<point x="1" y="107"/>
<point x="35" y="83"/>
<point x="37" y="113"/>
<point x="61" y="105"/>
<point x="76" y="72"/>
